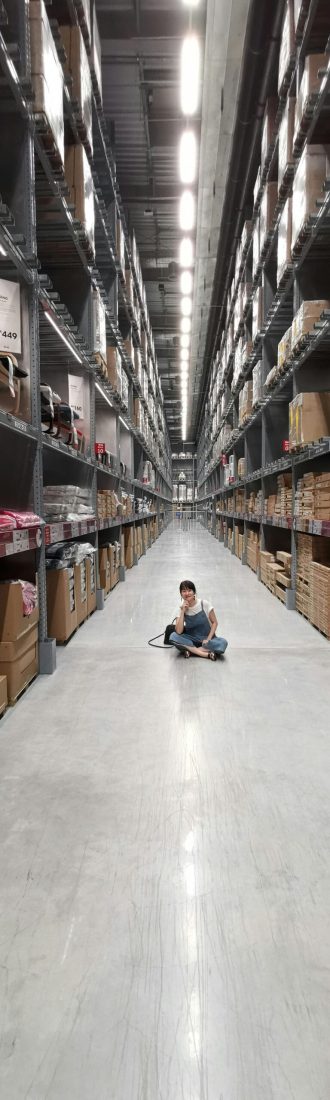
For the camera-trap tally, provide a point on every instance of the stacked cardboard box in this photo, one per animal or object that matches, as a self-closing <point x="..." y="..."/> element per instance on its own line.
<point x="61" y="603"/>
<point x="266" y="559"/>
<point x="230" y="538"/>
<point x="283" y="576"/>
<point x="320" y="597"/>
<point x="254" y="503"/>
<point x="80" y="581"/>
<point x="241" y="467"/>
<point x="284" y="241"/>
<point x="113" y="368"/>
<point x="267" y="212"/>
<point x="239" y="502"/>
<point x="107" y="504"/>
<point x="284" y="349"/>
<point x="309" y="418"/>
<point x="253" y="549"/>
<point x="285" y="140"/>
<point x="239" y="541"/>
<point x="287" y="45"/>
<point x="307" y="187"/>
<point x="283" y="503"/>
<point x="77" y="66"/>
<point x="245" y="402"/>
<point x="80" y="181"/>
<point x="257" y="384"/>
<point x="104" y="569"/>
<point x="312" y="500"/>
<point x="19" y="656"/>
<point x="309" y="548"/>
<point x="308" y="315"/>
<point x="46" y="74"/>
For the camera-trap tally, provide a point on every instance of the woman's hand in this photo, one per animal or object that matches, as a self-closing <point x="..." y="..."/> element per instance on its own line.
<point x="205" y="641"/>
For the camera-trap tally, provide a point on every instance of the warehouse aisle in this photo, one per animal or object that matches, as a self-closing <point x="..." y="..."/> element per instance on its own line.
<point x="164" y="863"/>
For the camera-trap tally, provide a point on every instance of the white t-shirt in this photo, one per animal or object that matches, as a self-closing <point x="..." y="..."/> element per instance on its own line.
<point x="197" y="608"/>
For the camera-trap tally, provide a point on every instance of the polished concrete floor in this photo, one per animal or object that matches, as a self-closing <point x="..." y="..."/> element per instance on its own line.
<point x="164" y="859"/>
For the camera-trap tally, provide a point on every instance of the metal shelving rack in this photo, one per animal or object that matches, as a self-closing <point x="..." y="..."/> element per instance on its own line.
<point x="185" y="462"/>
<point x="259" y="439"/>
<point x="43" y="256"/>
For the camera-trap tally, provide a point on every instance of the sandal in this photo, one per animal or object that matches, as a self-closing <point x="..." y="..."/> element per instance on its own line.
<point x="212" y="656"/>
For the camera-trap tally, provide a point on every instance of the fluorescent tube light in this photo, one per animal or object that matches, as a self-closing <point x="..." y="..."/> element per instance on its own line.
<point x="123" y="422"/>
<point x="184" y="340"/>
<point x="187" y="211"/>
<point x="186" y="253"/>
<point x="188" y="157"/>
<point x="2" y="251"/>
<point x="50" y="318"/>
<point x="190" y="65"/>
<point x="186" y="307"/>
<point x="186" y="282"/>
<point x="191" y="3"/>
<point x="185" y="324"/>
<point x="184" y="355"/>
<point x="105" y="398"/>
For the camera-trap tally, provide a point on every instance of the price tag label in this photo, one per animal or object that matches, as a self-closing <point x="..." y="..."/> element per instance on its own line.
<point x="317" y="526"/>
<point x="84" y="528"/>
<point x="55" y="443"/>
<point x="20" y="541"/>
<point x="22" y="427"/>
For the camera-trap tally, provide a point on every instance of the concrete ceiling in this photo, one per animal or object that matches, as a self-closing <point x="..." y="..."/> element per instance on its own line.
<point x="141" y="43"/>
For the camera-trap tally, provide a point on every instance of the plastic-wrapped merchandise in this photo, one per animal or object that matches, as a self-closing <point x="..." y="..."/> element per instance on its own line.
<point x="20" y="520"/>
<point x="285" y="139"/>
<point x="238" y="364"/>
<point x="284" y="348"/>
<point x="46" y="73"/>
<point x="257" y="386"/>
<point x="287" y="45"/>
<point x="67" y="502"/>
<point x="309" y="86"/>
<point x="99" y="325"/>
<point x="80" y="181"/>
<point x="284" y="240"/>
<point x="256" y="246"/>
<point x="308" y="186"/>
<point x="267" y="211"/>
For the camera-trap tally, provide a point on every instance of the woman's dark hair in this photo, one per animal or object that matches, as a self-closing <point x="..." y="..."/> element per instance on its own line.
<point x="188" y="584"/>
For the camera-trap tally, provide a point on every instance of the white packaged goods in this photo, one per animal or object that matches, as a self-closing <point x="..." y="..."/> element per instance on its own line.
<point x="96" y="51"/>
<point x="99" y="325"/>
<point x="124" y="388"/>
<point x="257" y="384"/>
<point x="284" y="240"/>
<point x="285" y="139"/>
<point x="79" y="179"/>
<point x="182" y="492"/>
<point x="47" y="73"/>
<point x="231" y="464"/>
<point x="77" y="66"/>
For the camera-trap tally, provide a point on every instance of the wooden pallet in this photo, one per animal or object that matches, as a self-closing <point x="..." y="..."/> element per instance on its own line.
<point x="12" y="702"/>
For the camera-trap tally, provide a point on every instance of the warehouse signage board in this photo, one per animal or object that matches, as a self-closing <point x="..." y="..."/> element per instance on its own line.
<point x="76" y="394"/>
<point x="10" y="316"/>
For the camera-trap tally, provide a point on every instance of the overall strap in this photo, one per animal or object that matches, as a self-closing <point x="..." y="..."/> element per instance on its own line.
<point x="202" y="605"/>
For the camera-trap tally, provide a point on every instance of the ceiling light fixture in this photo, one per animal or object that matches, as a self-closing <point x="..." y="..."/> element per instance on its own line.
<point x="187" y="211"/>
<point x="188" y="157"/>
<point x="189" y="75"/>
<point x="184" y="340"/>
<point x="186" y="253"/>
<point x="184" y="355"/>
<point x="2" y="251"/>
<point x="52" y="322"/>
<point x="186" y="282"/>
<point x="186" y="307"/>
<point x="185" y="324"/>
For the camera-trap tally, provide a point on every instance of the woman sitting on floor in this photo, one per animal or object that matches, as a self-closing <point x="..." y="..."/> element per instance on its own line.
<point x="196" y="625"/>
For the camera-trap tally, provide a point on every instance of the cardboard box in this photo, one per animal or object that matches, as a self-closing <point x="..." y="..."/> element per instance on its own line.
<point x="19" y="661"/>
<point x="309" y="418"/>
<point x="104" y="569"/>
<point x="46" y="73"/>
<point x="284" y="240"/>
<point x="120" y="244"/>
<point x="91" y="583"/>
<point x="99" y="330"/>
<point x="307" y="186"/>
<point x="113" y="368"/>
<point x="80" y="580"/>
<point x="129" y="546"/>
<point x="77" y="66"/>
<point x="268" y="128"/>
<point x="310" y="85"/>
<point x="267" y="211"/>
<point x="80" y="181"/>
<point x="61" y="604"/>
<point x="3" y="694"/>
<point x="257" y="312"/>
<point x="308" y="315"/>
<point x="287" y="45"/>
<point x="96" y="57"/>
<point x="285" y="139"/>
<point x="13" y="622"/>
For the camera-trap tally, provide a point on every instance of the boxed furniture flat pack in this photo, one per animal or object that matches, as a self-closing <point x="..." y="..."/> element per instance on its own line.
<point x="3" y="694"/>
<point x="13" y="620"/>
<point x="91" y="582"/>
<point x="80" y="581"/>
<point x="309" y="418"/>
<point x="77" y="66"/>
<point x="104" y="569"/>
<point x="308" y="315"/>
<point x="310" y="85"/>
<point x="267" y="212"/>
<point x="80" y="181"/>
<point x="19" y="661"/>
<point x="61" y="603"/>
<point x="287" y="45"/>
<point x="113" y="368"/>
<point x="46" y="73"/>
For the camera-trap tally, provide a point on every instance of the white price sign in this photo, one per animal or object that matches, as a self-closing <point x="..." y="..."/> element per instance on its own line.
<point x="20" y="540"/>
<point x="76" y="394"/>
<point x="10" y="316"/>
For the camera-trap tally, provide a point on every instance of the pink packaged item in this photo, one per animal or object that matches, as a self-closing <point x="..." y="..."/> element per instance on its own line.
<point x="22" y="519"/>
<point x="7" y="523"/>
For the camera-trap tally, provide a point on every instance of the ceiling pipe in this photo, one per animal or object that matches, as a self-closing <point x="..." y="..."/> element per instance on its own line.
<point x="260" y="41"/>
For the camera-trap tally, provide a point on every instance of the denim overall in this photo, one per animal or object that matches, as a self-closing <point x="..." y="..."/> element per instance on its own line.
<point x="196" y="628"/>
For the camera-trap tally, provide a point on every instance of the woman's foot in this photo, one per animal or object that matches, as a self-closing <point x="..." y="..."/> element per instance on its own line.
<point x="212" y="656"/>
